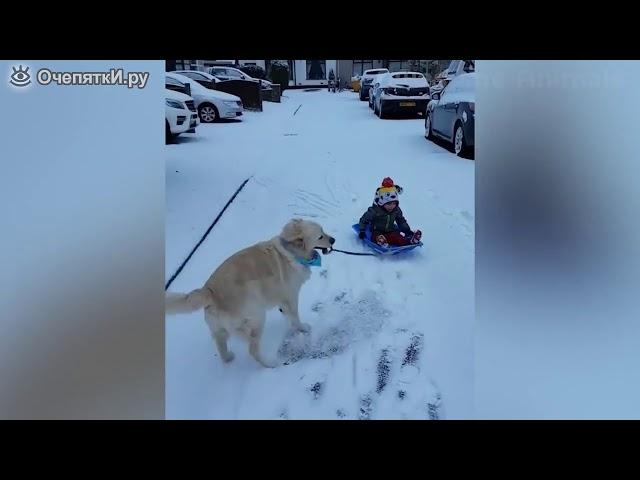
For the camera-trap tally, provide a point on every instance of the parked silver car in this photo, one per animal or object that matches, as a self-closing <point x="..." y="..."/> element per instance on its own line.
<point x="366" y="82"/>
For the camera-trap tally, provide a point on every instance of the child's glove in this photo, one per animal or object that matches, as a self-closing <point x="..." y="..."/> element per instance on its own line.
<point x="361" y="235"/>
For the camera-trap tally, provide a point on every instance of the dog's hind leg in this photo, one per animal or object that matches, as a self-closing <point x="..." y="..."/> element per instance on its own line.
<point x="254" y="335"/>
<point x="220" y="336"/>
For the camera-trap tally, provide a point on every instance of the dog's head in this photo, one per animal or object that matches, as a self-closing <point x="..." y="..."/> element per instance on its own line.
<point x="306" y="236"/>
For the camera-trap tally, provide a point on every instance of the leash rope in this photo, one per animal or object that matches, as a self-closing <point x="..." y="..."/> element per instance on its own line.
<point x="353" y="253"/>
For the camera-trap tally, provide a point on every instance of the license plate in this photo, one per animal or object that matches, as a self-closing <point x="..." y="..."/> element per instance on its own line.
<point x="407" y="104"/>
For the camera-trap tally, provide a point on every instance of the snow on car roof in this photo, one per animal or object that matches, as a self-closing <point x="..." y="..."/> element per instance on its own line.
<point x="204" y="74"/>
<point x="462" y="88"/>
<point x="410" y="79"/>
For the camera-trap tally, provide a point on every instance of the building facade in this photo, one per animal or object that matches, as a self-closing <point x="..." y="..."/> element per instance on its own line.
<point x="350" y="68"/>
<point x="314" y="73"/>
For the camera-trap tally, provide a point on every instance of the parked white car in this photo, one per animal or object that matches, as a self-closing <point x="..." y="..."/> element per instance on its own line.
<point x="203" y="78"/>
<point x="180" y="114"/>
<point x="211" y="104"/>
<point x="230" y="73"/>
<point x="405" y="92"/>
<point x="366" y="81"/>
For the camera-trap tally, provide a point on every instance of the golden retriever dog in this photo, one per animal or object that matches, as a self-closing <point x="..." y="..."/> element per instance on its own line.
<point x="269" y="274"/>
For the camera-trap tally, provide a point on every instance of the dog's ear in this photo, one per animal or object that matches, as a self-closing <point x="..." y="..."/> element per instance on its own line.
<point x="295" y="233"/>
<point x="300" y="243"/>
<point x="292" y="231"/>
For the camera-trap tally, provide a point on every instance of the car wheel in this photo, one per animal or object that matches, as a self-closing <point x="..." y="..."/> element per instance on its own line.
<point x="362" y="97"/>
<point x="459" y="142"/>
<point x="381" y="110"/>
<point x="428" y="134"/>
<point x="370" y="103"/>
<point x="208" y="113"/>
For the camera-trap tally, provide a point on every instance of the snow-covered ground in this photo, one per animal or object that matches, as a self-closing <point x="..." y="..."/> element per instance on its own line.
<point x="391" y="337"/>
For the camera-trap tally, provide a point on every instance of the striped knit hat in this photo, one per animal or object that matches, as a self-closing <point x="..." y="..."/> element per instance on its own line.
<point x="388" y="192"/>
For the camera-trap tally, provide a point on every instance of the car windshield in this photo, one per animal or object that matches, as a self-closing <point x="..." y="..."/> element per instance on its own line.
<point x="192" y="75"/>
<point x="194" y="86"/>
<point x="173" y="82"/>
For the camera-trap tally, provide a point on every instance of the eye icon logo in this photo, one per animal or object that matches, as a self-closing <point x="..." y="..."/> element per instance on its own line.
<point x="20" y="76"/>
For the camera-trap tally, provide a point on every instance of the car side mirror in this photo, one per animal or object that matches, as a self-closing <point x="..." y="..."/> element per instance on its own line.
<point x="435" y="96"/>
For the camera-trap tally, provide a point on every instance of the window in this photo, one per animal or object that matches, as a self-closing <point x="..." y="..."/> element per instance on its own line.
<point x="234" y="73"/>
<point x="194" y="75"/>
<point x="398" y="65"/>
<point x="291" y="67"/>
<point x="182" y="64"/>
<point x="316" y="69"/>
<point x="408" y="75"/>
<point x="451" y="88"/>
<point x="176" y="86"/>
<point x="359" y="66"/>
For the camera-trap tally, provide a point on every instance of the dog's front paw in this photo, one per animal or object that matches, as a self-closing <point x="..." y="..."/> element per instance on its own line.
<point x="269" y="364"/>
<point x="304" y="327"/>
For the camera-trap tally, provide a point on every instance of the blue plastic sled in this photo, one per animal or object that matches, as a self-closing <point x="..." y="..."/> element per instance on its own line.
<point x="382" y="250"/>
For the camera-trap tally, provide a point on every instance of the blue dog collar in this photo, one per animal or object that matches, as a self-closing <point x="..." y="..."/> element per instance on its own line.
<point x="316" y="261"/>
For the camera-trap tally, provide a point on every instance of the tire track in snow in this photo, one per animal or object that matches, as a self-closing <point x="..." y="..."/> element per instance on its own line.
<point x="314" y="204"/>
<point x="329" y="189"/>
<point x="306" y="193"/>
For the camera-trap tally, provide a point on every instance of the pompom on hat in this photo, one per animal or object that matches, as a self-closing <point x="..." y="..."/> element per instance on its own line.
<point x="388" y="192"/>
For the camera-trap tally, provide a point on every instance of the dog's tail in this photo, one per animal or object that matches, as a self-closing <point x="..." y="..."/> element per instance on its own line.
<point x="187" y="302"/>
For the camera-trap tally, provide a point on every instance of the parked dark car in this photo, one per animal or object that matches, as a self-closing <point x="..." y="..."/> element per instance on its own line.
<point x="451" y="114"/>
<point x="205" y="79"/>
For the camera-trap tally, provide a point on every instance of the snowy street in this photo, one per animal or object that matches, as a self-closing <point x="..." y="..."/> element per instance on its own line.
<point x="391" y="336"/>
